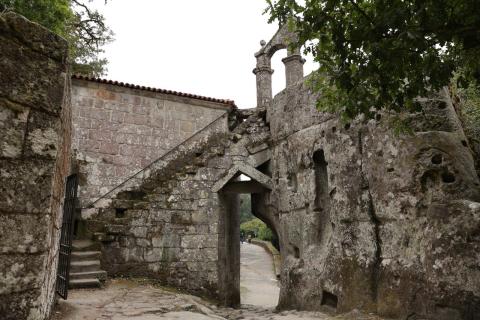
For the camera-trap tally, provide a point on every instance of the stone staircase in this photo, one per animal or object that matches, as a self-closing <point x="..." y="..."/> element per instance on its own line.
<point x="85" y="269"/>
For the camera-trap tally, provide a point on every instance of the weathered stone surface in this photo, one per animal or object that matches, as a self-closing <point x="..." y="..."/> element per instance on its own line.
<point x="124" y="299"/>
<point x="21" y="82"/>
<point x="370" y="231"/>
<point x="13" y="121"/>
<point x="119" y="131"/>
<point x="35" y="133"/>
<point x="174" y="236"/>
<point x="366" y="218"/>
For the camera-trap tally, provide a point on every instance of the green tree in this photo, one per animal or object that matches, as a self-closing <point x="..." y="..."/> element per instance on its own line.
<point x="245" y="208"/>
<point x="257" y="228"/>
<point x="83" y="27"/>
<point x="383" y="53"/>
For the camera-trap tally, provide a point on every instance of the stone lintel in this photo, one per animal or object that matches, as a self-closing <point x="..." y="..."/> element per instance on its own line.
<point x="248" y="170"/>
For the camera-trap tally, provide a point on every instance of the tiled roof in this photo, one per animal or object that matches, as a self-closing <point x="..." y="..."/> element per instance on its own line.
<point x="134" y="86"/>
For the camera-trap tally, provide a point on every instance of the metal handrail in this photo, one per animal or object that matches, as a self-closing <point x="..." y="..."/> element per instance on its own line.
<point x="158" y="159"/>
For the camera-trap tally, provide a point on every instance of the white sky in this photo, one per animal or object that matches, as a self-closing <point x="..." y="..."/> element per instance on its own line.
<point x="203" y="47"/>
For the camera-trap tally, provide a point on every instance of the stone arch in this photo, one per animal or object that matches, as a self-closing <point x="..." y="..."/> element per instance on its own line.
<point x="228" y="189"/>
<point x="263" y="70"/>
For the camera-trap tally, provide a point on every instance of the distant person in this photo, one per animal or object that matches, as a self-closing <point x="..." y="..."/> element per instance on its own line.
<point x="249" y="238"/>
<point x="242" y="238"/>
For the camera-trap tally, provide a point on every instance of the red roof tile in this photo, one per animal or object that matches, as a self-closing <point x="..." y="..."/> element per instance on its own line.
<point x="134" y="86"/>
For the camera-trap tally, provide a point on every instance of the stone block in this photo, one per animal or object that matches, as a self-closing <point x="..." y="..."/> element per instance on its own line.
<point x="105" y="94"/>
<point x="13" y="124"/>
<point x="161" y="254"/>
<point x="136" y="119"/>
<point x="38" y="82"/>
<point x="42" y="138"/>
<point x="100" y="135"/>
<point x="25" y="185"/>
<point x="143" y="243"/>
<point x="168" y="240"/>
<point x="187" y="126"/>
<point x="109" y="148"/>
<point x="115" y="229"/>
<point x="22" y="233"/>
<point x="20" y="272"/>
<point x="199" y="241"/>
<point x="117" y="117"/>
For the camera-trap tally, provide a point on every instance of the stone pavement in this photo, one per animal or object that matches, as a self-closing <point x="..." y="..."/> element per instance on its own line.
<point x="258" y="283"/>
<point x="129" y="299"/>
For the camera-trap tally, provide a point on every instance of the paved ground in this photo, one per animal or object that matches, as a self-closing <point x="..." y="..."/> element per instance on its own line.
<point x="133" y="300"/>
<point x="258" y="284"/>
<point x="137" y="300"/>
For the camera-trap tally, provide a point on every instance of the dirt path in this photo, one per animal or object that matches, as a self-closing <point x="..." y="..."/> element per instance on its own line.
<point x="258" y="284"/>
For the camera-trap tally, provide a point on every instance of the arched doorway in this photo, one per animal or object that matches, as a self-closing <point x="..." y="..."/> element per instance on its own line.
<point x="229" y="227"/>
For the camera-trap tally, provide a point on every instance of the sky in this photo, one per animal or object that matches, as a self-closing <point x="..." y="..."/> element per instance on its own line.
<point x="203" y="47"/>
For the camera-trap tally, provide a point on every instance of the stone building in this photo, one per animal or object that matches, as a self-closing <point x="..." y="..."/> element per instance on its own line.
<point x="121" y="128"/>
<point x="366" y="218"/>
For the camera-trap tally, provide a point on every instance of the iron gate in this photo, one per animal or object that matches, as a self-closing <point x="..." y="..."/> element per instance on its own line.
<point x="66" y="236"/>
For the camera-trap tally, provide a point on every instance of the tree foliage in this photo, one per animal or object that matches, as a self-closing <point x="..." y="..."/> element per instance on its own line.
<point x="83" y="27"/>
<point x="257" y="229"/>
<point x="383" y="53"/>
<point x="245" y="208"/>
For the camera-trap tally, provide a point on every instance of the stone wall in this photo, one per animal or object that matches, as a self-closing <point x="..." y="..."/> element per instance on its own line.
<point x="374" y="220"/>
<point x="167" y="227"/>
<point x="120" y="129"/>
<point x="34" y="161"/>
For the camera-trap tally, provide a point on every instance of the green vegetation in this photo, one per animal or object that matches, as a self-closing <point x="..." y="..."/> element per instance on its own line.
<point x="384" y="53"/>
<point x="245" y="208"/>
<point x="470" y="111"/>
<point x="249" y="225"/>
<point x="83" y="27"/>
<point x="257" y="229"/>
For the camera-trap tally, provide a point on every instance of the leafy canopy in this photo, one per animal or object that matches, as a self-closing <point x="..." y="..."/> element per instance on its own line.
<point x="383" y="53"/>
<point x="74" y="20"/>
<point x="257" y="229"/>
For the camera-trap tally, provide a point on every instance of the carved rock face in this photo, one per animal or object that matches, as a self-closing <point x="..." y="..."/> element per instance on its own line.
<point x="398" y="232"/>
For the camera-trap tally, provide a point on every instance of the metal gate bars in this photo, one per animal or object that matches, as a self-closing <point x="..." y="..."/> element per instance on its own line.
<point x="66" y="236"/>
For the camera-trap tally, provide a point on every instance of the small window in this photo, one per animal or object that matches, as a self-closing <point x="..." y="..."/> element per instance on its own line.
<point x="321" y="180"/>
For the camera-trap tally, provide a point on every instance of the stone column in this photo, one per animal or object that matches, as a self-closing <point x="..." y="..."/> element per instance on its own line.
<point x="293" y="68"/>
<point x="263" y="73"/>
<point x="229" y="249"/>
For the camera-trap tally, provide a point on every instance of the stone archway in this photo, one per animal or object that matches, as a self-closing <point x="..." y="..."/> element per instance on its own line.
<point x="229" y="188"/>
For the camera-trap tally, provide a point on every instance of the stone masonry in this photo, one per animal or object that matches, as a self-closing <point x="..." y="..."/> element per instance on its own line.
<point x="366" y="218"/>
<point x="35" y="133"/>
<point x="120" y="129"/>
<point x="167" y="226"/>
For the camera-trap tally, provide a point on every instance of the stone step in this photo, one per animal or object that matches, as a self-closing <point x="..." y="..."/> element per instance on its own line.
<point x="100" y="275"/>
<point x="85" y="245"/>
<point x="84" y="283"/>
<point x="85" y="255"/>
<point x="84" y="266"/>
<point x="103" y="237"/>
